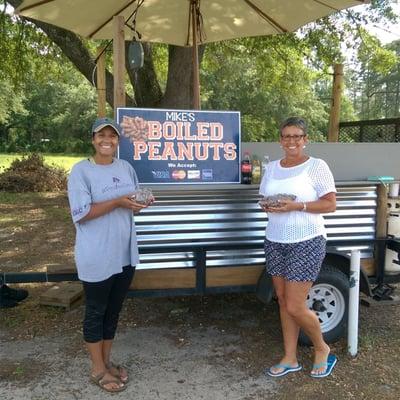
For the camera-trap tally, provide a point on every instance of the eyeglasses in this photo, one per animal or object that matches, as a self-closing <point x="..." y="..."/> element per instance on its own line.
<point x="296" y="138"/>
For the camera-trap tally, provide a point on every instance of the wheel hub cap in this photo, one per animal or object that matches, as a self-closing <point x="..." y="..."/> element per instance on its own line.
<point x="328" y="303"/>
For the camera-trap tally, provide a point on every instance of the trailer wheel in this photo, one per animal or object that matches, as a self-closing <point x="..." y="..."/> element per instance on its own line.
<point x="328" y="298"/>
<point x="265" y="288"/>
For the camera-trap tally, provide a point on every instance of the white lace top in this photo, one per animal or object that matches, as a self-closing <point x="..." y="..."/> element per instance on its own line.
<point x="308" y="182"/>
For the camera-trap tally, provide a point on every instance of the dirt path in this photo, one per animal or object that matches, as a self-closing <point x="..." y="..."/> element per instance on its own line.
<point x="189" y="348"/>
<point x="160" y="369"/>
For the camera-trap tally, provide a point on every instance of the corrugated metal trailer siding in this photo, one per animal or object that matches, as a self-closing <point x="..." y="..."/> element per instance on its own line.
<point x="209" y="215"/>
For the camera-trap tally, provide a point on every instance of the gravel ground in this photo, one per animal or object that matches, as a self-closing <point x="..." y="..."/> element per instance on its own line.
<point x="215" y="347"/>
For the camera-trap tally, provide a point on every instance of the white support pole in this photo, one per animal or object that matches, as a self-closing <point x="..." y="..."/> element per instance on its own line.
<point x="352" y="333"/>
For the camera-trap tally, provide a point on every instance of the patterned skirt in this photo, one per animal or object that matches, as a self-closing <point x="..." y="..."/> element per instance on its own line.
<point x="296" y="262"/>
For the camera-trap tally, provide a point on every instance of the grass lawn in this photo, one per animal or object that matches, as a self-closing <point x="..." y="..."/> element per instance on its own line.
<point x="65" y="161"/>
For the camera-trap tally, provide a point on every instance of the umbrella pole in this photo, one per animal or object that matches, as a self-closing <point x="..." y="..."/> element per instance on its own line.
<point x="195" y="57"/>
<point x="119" y="62"/>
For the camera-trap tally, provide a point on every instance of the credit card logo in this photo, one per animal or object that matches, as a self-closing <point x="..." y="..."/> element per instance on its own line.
<point x="207" y="174"/>
<point x="178" y="174"/>
<point x="160" y="174"/>
<point x="193" y="174"/>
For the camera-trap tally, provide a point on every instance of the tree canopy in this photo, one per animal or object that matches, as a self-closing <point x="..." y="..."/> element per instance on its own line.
<point x="266" y="78"/>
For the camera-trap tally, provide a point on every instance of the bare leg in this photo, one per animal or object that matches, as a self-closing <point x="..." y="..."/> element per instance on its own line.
<point x="107" y="344"/>
<point x="122" y="373"/>
<point x="295" y="296"/>
<point x="290" y="328"/>
<point x="116" y="297"/>
<point x="98" y="364"/>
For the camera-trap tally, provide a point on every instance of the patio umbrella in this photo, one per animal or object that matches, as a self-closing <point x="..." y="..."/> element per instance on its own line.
<point x="171" y="21"/>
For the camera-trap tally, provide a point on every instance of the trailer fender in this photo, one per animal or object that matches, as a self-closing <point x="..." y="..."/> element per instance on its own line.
<point x="342" y="262"/>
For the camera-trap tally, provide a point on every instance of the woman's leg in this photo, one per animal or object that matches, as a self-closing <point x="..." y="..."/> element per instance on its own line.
<point x="117" y="295"/>
<point x="295" y="299"/>
<point x="275" y="256"/>
<point x="290" y="329"/>
<point x="97" y="294"/>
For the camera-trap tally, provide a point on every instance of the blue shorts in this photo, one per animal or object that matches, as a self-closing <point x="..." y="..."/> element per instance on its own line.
<point x="296" y="262"/>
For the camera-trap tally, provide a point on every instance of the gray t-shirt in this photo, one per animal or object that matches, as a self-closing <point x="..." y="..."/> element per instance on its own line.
<point x="105" y="244"/>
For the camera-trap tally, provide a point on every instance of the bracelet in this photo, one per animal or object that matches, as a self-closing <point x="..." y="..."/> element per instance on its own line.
<point x="304" y="206"/>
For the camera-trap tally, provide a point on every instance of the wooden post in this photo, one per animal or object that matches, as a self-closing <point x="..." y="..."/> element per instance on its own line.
<point x="119" y="62"/>
<point x="333" y="133"/>
<point x="381" y="231"/>
<point x="381" y="211"/>
<point x="195" y="56"/>
<point x="101" y="82"/>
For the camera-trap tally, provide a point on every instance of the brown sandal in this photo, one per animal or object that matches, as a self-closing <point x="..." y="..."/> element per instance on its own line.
<point x="120" y="369"/>
<point x="101" y="382"/>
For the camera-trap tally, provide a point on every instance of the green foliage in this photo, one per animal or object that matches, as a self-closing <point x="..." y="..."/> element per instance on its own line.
<point x="54" y="116"/>
<point x="45" y="104"/>
<point x="379" y="10"/>
<point x="25" y="51"/>
<point x="267" y="80"/>
<point x="160" y="55"/>
<point x="375" y="86"/>
<point x="11" y="101"/>
<point x="373" y="56"/>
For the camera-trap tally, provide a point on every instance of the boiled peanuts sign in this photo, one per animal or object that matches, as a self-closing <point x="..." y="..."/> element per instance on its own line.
<point x="181" y="146"/>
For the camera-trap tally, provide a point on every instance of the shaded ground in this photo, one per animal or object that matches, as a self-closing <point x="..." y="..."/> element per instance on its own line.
<point x="35" y="231"/>
<point x="193" y="348"/>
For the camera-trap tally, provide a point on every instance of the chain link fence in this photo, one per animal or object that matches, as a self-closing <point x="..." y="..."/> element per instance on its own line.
<point x="379" y="130"/>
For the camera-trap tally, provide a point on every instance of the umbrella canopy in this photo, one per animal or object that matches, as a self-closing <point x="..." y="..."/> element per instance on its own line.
<point x="169" y="21"/>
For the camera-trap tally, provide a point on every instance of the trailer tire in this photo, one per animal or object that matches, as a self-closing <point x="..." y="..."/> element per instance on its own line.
<point x="329" y="299"/>
<point x="265" y="288"/>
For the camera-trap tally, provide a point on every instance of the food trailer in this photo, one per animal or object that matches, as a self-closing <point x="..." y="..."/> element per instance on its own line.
<point x="206" y="237"/>
<point x="202" y="238"/>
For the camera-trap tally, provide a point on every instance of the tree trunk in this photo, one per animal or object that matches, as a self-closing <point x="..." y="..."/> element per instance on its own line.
<point x="74" y="49"/>
<point x="179" y="88"/>
<point x="145" y="84"/>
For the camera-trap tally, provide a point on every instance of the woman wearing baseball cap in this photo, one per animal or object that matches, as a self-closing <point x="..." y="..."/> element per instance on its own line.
<point x="100" y="193"/>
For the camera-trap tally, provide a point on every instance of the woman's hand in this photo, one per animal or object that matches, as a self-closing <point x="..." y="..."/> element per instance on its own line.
<point x="324" y="204"/>
<point x="285" y="206"/>
<point x="151" y="201"/>
<point x="130" y="203"/>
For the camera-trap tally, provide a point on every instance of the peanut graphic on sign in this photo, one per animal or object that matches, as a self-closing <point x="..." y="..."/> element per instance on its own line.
<point x="136" y="129"/>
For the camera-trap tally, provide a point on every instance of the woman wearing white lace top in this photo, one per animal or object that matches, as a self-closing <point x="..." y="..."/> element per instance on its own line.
<point x="296" y="241"/>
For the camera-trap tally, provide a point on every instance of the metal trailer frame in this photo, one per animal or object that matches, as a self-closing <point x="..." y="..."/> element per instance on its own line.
<point x="247" y="215"/>
<point x="210" y="240"/>
<point x="201" y="250"/>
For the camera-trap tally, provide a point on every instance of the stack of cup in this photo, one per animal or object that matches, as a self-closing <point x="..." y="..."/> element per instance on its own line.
<point x="394" y="189"/>
<point x="394" y="210"/>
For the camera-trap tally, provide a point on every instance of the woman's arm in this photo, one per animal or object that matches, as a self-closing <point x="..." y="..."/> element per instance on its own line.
<point x="324" y="204"/>
<point x="99" y="209"/>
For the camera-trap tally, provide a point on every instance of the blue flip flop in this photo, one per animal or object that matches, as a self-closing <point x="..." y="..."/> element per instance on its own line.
<point x="329" y="365"/>
<point x="286" y="370"/>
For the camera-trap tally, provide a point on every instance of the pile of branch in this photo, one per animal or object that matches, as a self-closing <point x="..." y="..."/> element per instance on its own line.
<point x="30" y="174"/>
